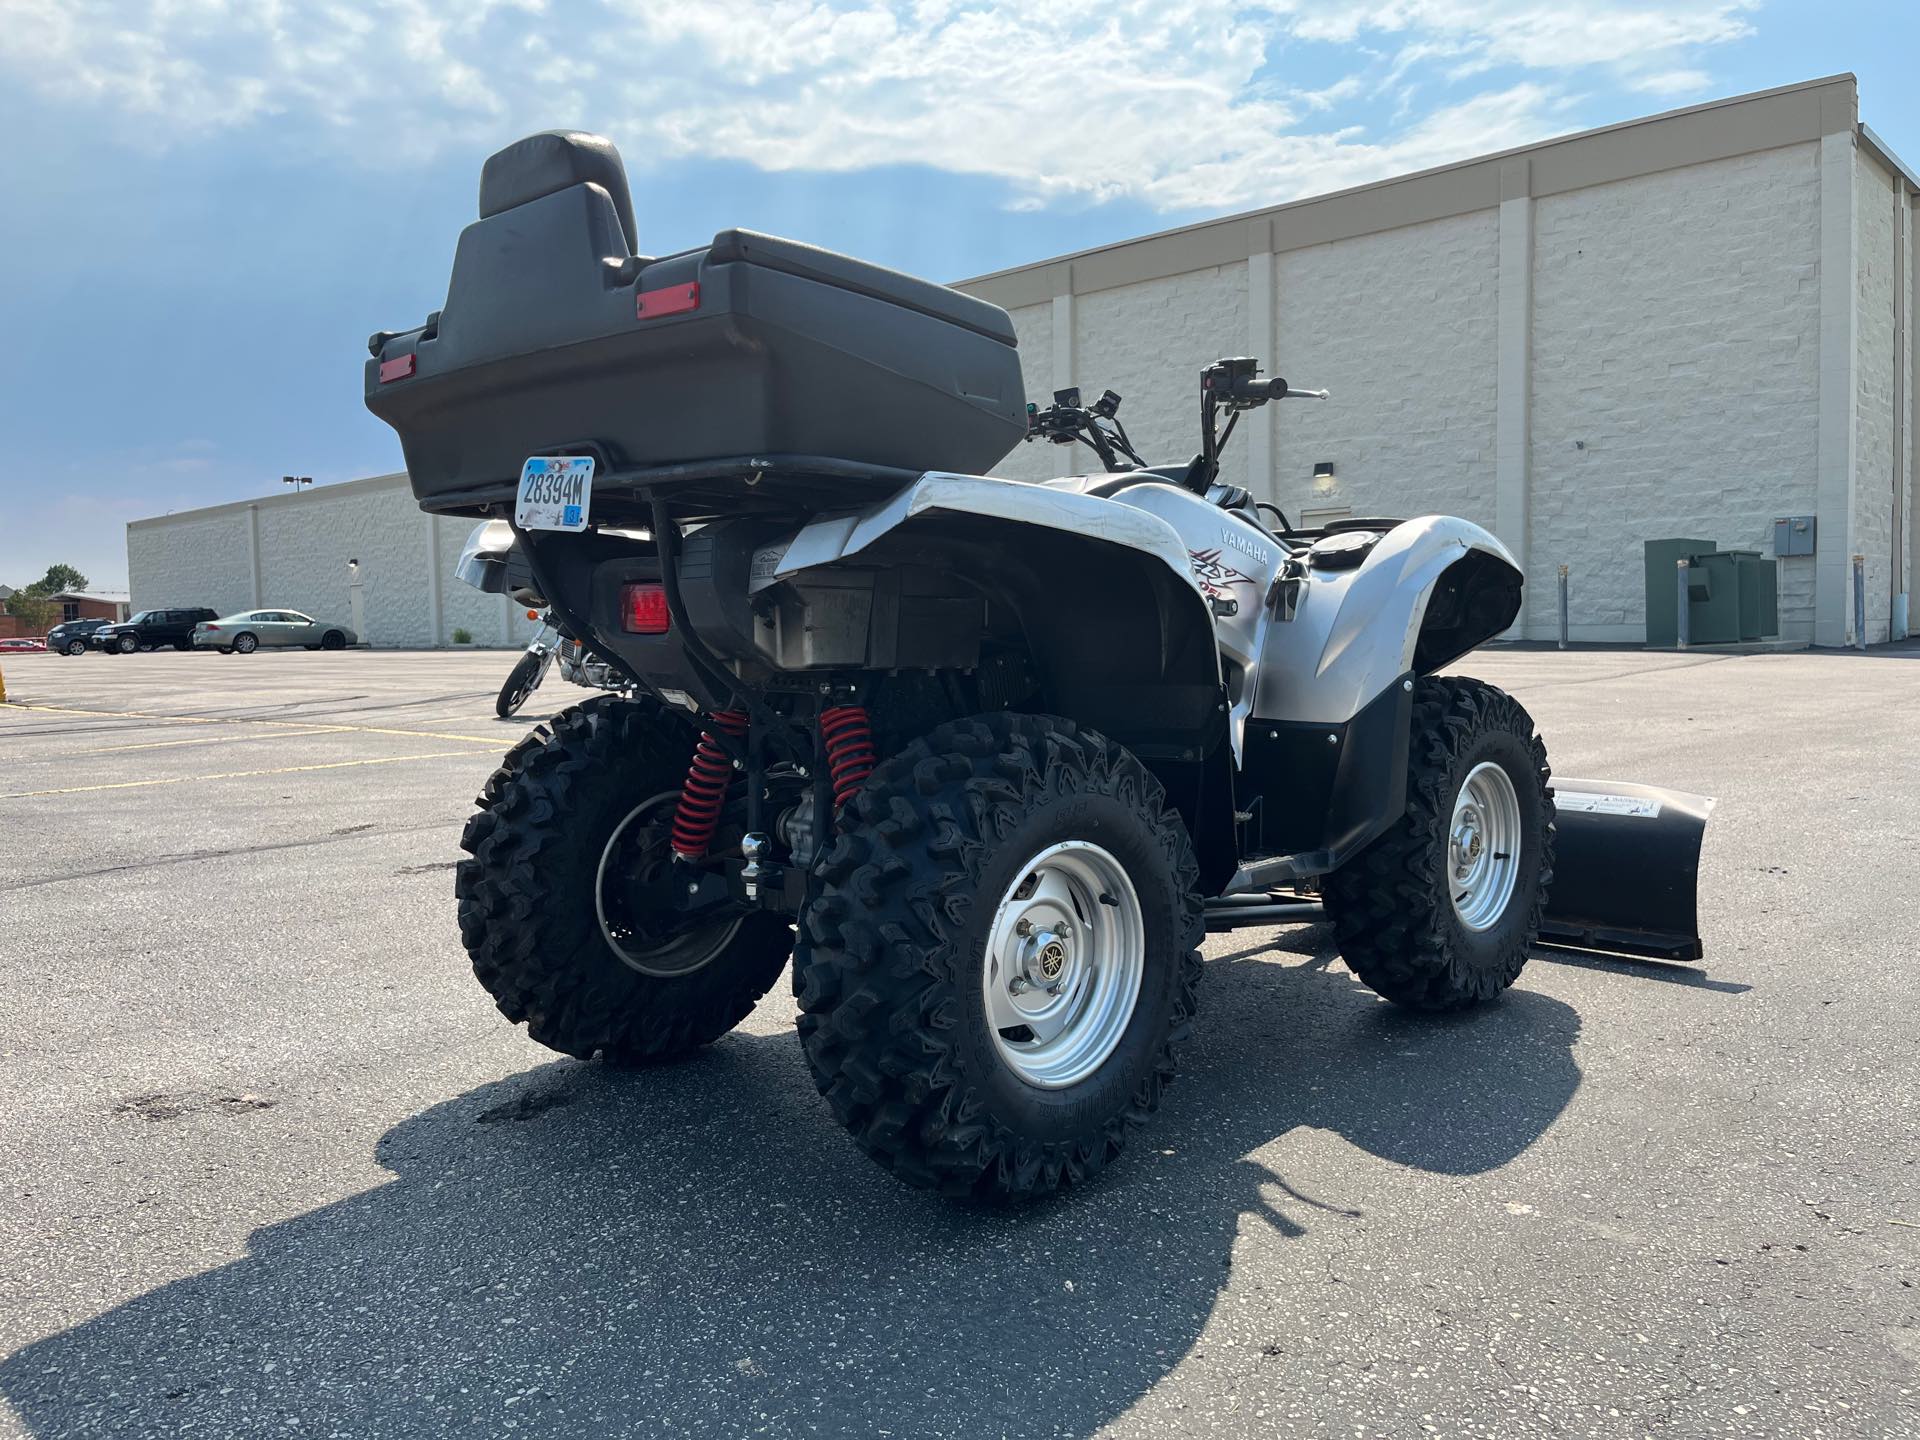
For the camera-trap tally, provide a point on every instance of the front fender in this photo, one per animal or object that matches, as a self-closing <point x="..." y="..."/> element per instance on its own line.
<point x="1354" y="632"/>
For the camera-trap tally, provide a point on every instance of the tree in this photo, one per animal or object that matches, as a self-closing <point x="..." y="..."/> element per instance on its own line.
<point x="59" y="578"/>
<point x="32" y="609"/>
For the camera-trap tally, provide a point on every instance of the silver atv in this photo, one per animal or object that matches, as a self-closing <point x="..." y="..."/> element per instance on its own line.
<point x="984" y="759"/>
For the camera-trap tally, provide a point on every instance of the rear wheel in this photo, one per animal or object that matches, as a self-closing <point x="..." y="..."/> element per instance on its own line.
<point x="1440" y="911"/>
<point x="245" y="643"/>
<point x="562" y="901"/>
<point x="1000" y="955"/>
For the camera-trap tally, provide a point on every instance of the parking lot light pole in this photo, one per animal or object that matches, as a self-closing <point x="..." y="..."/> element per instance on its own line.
<point x="1563" y="607"/>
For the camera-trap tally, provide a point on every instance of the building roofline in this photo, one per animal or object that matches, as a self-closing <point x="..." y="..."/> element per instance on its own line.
<point x="1882" y="152"/>
<point x="1714" y="130"/>
<point x="318" y="494"/>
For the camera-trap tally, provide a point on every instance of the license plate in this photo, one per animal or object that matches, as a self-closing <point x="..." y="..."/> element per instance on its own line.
<point x="556" y="493"/>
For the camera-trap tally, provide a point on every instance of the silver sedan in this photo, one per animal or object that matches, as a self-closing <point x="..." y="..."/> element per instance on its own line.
<point x="253" y="630"/>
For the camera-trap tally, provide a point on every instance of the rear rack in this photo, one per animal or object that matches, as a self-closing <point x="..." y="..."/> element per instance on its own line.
<point x="731" y="485"/>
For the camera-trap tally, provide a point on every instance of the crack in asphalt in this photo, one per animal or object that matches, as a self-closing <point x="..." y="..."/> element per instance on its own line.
<point x="189" y="856"/>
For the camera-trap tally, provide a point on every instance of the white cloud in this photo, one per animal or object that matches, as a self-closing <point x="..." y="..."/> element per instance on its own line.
<point x="1181" y="106"/>
<point x="1671" y="82"/>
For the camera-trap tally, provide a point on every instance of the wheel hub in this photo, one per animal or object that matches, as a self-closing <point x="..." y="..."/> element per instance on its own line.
<point x="634" y="865"/>
<point x="1064" y="962"/>
<point x="1483" y="846"/>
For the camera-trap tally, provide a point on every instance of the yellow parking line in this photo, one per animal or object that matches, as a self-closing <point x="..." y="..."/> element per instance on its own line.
<point x="315" y="727"/>
<point x="167" y="744"/>
<point x="228" y="775"/>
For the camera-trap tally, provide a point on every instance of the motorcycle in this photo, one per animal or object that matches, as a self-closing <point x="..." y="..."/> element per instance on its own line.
<point x="551" y="643"/>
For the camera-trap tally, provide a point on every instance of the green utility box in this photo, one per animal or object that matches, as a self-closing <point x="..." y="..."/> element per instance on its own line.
<point x="1759" y="579"/>
<point x="1663" y="606"/>
<point x="1733" y="595"/>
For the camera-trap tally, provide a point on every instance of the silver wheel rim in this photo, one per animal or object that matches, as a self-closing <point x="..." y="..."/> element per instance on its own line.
<point x="681" y="955"/>
<point x="245" y="644"/>
<point x="1483" y="846"/>
<point x="1064" y="962"/>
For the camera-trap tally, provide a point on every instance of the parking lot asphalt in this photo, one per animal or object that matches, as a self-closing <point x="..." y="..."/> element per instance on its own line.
<point x="273" y="1163"/>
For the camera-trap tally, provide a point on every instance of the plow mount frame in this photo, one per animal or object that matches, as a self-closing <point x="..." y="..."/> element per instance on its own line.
<point x="1626" y="876"/>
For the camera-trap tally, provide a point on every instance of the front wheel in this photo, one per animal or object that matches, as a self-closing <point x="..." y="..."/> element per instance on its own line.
<point x="1440" y="912"/>
<point x="126" y="644"/>
<point x="76" y="647"/>
<point x="522" y="681"/>
<point x="1000" y="956"/>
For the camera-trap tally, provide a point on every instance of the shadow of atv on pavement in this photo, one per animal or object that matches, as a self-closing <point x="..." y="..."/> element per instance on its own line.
<point x="697" y="1250"/>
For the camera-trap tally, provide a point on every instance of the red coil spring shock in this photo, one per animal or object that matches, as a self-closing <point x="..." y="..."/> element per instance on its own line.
<point x="848" y="737"/>
<point x="704" y="795"/>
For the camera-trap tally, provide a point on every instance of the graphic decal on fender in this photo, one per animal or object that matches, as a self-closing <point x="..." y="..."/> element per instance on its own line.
<point x="1216" y="577"/>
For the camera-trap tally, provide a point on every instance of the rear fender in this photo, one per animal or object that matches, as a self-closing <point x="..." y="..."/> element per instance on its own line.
<point x="1121" y="635"/>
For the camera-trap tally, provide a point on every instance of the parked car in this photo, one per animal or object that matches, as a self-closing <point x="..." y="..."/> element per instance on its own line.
<point x="71" y="637"/>
<point x="151" y="629"/>
<point x="22" y="643"/>
<point x="253" y="630"/>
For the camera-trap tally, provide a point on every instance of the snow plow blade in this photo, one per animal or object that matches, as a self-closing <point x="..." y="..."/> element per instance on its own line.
<point x="1626" y="870"/>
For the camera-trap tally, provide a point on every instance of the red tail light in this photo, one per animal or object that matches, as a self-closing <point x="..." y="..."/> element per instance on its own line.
<point x="207" y="625"/>
<point x="645" y="609"/>
<point x="671" y="300"/>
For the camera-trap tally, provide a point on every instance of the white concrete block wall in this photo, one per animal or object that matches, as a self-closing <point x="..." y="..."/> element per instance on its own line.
<point x="1873" y="390"/>
<point x="1401" y="328"/>
<point x="306" y="541"/>
<point x="1150" y="342"/>
<point x="1034" y="325"/>
<point x="195" y="559"/>
<point x="1675" y="378"/>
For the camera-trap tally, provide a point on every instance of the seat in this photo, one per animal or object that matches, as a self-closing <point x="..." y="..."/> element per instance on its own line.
<point x="551" y="161"/>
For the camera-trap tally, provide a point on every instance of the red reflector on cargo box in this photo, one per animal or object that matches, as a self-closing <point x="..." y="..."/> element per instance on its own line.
<point x="398" y="368"/>
<point x="672" y="300"/>
<point x="646" y="610"/>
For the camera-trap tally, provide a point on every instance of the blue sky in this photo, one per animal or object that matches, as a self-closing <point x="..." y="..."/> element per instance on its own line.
<point x="206" y="205"/>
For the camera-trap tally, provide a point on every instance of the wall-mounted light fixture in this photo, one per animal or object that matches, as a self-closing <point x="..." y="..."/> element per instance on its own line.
<point x="1323" y="474"/>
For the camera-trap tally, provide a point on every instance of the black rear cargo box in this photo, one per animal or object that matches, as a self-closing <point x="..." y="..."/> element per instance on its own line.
<point x="555" y="338"/>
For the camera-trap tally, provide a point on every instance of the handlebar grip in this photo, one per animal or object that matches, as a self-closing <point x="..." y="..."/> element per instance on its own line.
<point x="1257" y="391"/>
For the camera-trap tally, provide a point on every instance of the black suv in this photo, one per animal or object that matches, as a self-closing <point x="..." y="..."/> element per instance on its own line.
<point x="151" y="629"/>
<point x="70" y="637"/>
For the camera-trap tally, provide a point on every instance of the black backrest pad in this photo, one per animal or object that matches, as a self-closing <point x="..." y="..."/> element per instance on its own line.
<point x="845" y="273"/>
<point x="552" y="160"/>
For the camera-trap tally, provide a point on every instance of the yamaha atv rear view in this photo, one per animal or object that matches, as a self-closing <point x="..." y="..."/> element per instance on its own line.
<point x="985" y="759"/>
